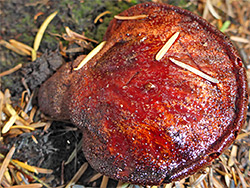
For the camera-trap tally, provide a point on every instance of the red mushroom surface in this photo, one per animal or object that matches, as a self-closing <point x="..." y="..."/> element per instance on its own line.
<point x="146" y="118"/>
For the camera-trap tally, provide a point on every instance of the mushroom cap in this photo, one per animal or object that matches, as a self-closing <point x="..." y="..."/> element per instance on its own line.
<point x="149" y="121"/>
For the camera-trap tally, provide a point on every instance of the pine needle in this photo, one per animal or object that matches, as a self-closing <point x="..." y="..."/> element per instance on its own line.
<point x="22" y="127"/>
<point x="91" y="55"/>
<point x="212" y="10"/>
<point x="41" y="31"/>
<point x="23" y="47"/>
<point x="232" y="155"/>
<point x="166" y="47"/>
<point x="240" y="39"/>
<point x="43" y="170"/>
<point x="101" y="15"/>
<point x="195" y="71"/>
<point x="33" y="185"/>
<point x="11" y="47"/>
<point x="130" y="17"/>
<point x="10" y="71"/>
<point x="9" y="123"/>
<point x="26" y="172"/>
<point x="104" y="183"/>
<point x="26" y="166"/>
<point x="78" y="174"/>
<point x="95" y="177"/>
<point x="6" y="162"/>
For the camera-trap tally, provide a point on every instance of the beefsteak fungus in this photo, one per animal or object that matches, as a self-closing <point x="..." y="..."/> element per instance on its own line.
<point x="163" y="96"/>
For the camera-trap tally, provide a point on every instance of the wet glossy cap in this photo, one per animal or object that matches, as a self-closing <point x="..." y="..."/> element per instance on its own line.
<point x="148" y="120"/>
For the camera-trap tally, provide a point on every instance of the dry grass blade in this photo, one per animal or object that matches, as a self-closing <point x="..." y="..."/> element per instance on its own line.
<point x="7" y="97"/>
<point x="47" y="126"/>
<point x="242" y="135"/>
<point x="26" y="172"/>
<point x="204" y="183"/>
<point x="4" y="183"/>
<point x="210" y="177"/>
<point x="211" y="9"/>
<point x="198" y="180"/>
<point x="33" y="55"/>
<point x="78" y="174"/>
<point x="130" y="17"/>
<point x="217" y="183"/>
<point x="1" y="104"/>
<point x="240" y="39"/>
<point x="34" y="139"/>
<point x="122" y="185"/>
<point x="90" y="55"/>
<point x="242" y="179"/>
<point x="21" y="178"/>
<point x="230" y="8"/>
<point x="227" y="175"/>
<point x="169" y="185"/>
<point x="8" y="177"/>
<point x="23" y="47"/>
<point x="224" y="160"/>
<point x="26" y="166"/>
<point x="6" y="162"/>
<point x="41" y="31"/>
<point x="75" y="35"/>
<point x="14" y="175"/>
<point x="248" y="154"/>
<point x="179" y="185"/>
<point x="9" y="123"/>
<point x="22" y="127"/>
<point x="104" y="183"/>
<point x="25" y="116"/>
<point x="119" y="184"/>
<point x="95" y="177"/>
<point x="232" y="155"/>
<point x="11" y="47"/>
<point x="101" y="15"/>
<point x="234" y="177"/>
<point x="166" y="47"/>
<point x="10" y="109"/>
<point x="10" y="71"/>
<point x="32" y="114"/>
<point x="195" y="71"/>
<point x="43" y="170"/>
<point x="23" y="99"/>
<point x="74" y="153"/>
<point x="34" y="185"/>
<point x="38" y="124"/>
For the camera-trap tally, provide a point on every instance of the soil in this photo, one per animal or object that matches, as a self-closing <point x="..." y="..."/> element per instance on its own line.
<point x="18" y="21"/>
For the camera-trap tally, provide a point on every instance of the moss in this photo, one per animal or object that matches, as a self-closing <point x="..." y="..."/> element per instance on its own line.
<point x="115" y="8"/>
